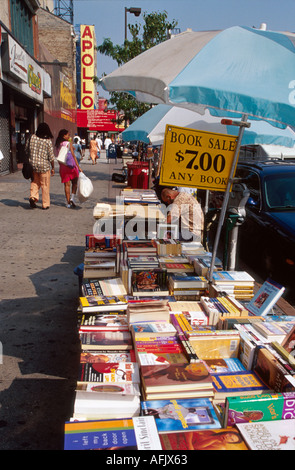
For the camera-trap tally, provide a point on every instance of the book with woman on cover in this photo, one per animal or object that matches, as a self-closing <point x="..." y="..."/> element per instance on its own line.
<point x="209" y="439"/>
<point x="181" y="414"/>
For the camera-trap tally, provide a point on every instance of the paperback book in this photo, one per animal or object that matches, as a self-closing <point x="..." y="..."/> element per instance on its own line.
<point x="269" y="435"/>
<point x="101" y="340"/>
<point x="266" y="297"/>
<point x="181" y="415"/>
<point x="138" y="433"/>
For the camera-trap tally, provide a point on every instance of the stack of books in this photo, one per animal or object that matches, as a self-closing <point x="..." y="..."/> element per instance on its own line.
<point x="184" y="286"/>
<point x="169" y="247"/>
<point x="240" y="284"/>
<point x="221" y="307"/>
<point x="100" y="257"/>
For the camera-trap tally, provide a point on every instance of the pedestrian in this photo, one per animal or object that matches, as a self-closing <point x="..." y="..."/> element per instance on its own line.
<point x="77" y="149"/>
<point x="41" y="156"/>
<point x="185" y="211"/>
<point x="107" y="143"/>
<point x="69" y="176"/>
<point x="99" y="145"/>
<point x="83" y="144"/>
<point x="93" y="150"/>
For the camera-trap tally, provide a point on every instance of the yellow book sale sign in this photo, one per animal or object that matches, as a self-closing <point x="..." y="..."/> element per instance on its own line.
<point x="196" y="159"/>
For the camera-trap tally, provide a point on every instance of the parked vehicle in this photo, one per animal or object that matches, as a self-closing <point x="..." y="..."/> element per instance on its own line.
<point x="267" y="236"/>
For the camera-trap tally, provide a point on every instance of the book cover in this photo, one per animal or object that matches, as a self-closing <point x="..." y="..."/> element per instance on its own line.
<point x="211" y="439"/>
<point x="269" y="435"/>
<point x="217" y="366"/>
<point x="157" y="358"/>
<point x="101" y="303"/>
<point x="264" y="407"/>
<point x="237" y="383"/>
<point x="266" y="297"/>
<point x="232" y="277"/>
<point x="108" y="356"/>
<point x="176" y="377"/>
<point x="109" y="373"/>
<point x="181" y="415"/>
<point x="152" y="328"/>
<point x="180" y="280"/>
<point x="138" y="433"/>
<point x="272" y="371"/>
<point x="106" y="340"/>
<point x="102" y="321"/>
<point x="215" y="346"/>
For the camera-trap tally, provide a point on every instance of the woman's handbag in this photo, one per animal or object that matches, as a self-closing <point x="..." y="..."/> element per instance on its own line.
<point x="62" y="154"/>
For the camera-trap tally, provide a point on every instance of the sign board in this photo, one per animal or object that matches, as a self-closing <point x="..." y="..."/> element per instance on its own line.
<point x="196" y="159"/>
<point x="87" y="66"/>
<point x="96" y="119"/>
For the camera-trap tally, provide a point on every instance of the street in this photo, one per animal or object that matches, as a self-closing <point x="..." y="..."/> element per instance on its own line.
<point x="39" y="298"/>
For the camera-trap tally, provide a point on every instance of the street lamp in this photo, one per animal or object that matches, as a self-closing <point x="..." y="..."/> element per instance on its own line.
<point x="134" y="11"/>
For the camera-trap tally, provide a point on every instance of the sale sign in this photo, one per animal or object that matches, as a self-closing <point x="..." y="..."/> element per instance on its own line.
<point x="196" y="159"/>
<point x="87" y="66"/>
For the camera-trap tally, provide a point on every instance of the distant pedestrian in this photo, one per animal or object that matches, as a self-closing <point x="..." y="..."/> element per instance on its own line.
<point x="107" y="143"/>
<point x="77" y="149"/>
<point x="69" y="176"/>
<point x="41" y="156"/>
<point x="93" y="150"/>
<point x="99" y="145"/>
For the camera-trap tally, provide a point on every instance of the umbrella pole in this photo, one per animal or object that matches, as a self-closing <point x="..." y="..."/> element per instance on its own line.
<point x="242" y="125"/>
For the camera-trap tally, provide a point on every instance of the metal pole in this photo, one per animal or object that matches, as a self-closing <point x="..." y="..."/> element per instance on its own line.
<point x="226" y="196"/>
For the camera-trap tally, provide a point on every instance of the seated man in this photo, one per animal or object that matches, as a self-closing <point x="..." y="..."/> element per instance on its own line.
<point x="184" y="208"/>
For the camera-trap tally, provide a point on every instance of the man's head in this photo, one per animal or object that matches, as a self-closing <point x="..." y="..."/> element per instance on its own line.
<point x="168" y="195"/>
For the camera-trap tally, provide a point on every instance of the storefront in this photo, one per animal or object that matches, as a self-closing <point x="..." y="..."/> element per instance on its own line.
<point x="24" y="84"/>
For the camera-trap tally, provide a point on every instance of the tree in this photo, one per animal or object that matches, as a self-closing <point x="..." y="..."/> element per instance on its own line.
<point x="155" y="30"/>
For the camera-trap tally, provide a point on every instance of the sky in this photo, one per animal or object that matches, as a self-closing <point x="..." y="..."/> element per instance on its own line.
<point x="108" y="17"/>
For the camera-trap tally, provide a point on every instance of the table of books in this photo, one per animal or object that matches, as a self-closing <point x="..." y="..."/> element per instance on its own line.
<point x="171" y="362"/>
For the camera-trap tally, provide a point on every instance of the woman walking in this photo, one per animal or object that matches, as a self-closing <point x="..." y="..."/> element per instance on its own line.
<point x="41" y="156"/>
<point x="93" y="150"/>
<point x="69" y="176"/>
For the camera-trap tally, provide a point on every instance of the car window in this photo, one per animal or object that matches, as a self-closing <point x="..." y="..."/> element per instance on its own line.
<point x="280" y="191"/>
<point x="251" y="179"/>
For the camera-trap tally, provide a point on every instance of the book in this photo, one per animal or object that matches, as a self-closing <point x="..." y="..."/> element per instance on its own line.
<point x="139" y="246"/>
<point x="176" y="377"/>
<point x="217" y="366"/>
<point x="181" y="415"/>
<point x="102" y="303"/>
<point x="111" y="340"/>
<point x="272" y="371"/>
<point x="156" y="328"/>
<point x="149" y="281"/>
<point x="272" y="331"/>
<point x="113" y="287"/>
<point x="236" y="278"/>
<point x="185" y="280"/>
<point x="264" y="407"/>
<point x="154" y="358"/>
<point x="106" y="401"/>
<point x="138" y="433"/>
<point x="267" y="296"/>
<point x="148" y="311"/>
<point x="288" y="342"/>
<point x="214" y="346"/>
<point x="211" y="439"/>
<point x="107" y="356"/>
<point x="269" y="435"/>
<point x="101" y="321"/>
<point x="91" y="287"/>
<point x="108" y="373"/>
<point x="237" y="384"/>
<point x="102" y="242"/>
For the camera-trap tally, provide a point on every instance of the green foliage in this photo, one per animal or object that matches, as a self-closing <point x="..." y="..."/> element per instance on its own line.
<point x="155" y="30"/>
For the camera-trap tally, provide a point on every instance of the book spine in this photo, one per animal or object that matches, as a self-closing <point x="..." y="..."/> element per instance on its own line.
<point x="187" y="347"/>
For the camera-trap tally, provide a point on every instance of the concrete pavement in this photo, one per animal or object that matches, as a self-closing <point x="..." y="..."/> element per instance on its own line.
<point x="39" y="298"/>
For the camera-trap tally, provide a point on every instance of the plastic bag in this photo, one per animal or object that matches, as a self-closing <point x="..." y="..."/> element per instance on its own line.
<point x="85" y="187"/>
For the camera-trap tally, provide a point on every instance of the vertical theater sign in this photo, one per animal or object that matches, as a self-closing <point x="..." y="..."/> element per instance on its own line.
<point x="88" y="67"/>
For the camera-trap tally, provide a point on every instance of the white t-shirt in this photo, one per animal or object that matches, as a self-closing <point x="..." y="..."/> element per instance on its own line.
<point x="107" y="142"/>
<point x="99" y="143"/>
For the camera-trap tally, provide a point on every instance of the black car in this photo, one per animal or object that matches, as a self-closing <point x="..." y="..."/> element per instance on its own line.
<point x="267" y="236"/>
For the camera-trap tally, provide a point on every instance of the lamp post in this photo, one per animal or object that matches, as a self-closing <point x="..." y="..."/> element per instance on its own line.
<point x="134" y="11"/>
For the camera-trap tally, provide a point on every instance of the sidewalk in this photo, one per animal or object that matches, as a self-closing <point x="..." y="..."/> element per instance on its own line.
<point x="39" y="298"/>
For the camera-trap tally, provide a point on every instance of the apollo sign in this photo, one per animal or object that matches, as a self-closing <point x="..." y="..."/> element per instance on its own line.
<point x="87" y="67"/>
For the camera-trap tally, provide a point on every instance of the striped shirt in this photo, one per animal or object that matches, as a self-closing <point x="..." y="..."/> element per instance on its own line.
<point x="41" y="153"/>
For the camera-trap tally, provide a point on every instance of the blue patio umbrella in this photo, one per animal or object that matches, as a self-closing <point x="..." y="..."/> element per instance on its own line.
<point x="150" y="127"/>
<point x="240" y="70"/>
<point x="243" y="72"/>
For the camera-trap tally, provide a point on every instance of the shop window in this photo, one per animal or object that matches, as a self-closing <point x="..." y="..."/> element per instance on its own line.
<point x="21" y="24"/>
